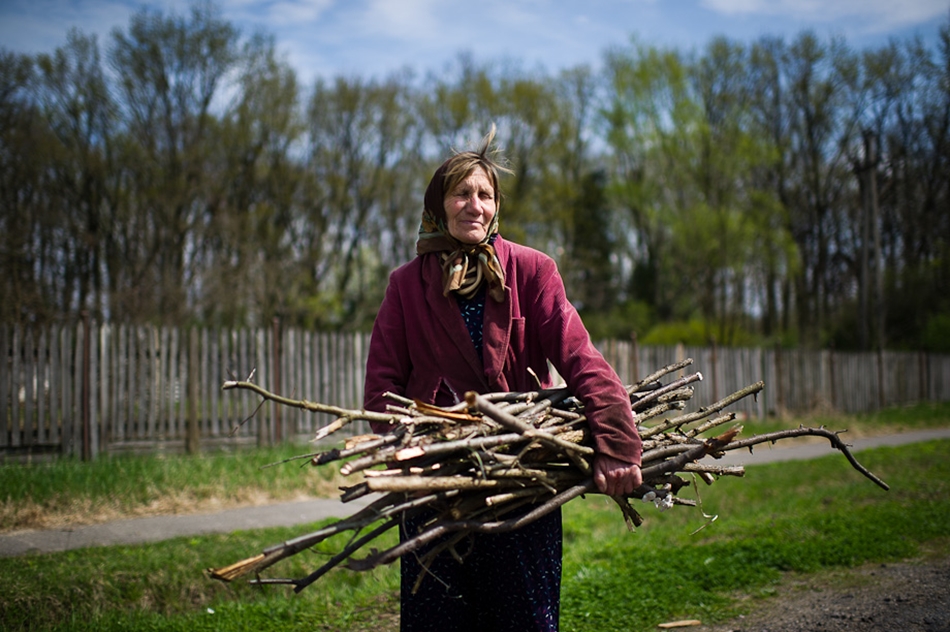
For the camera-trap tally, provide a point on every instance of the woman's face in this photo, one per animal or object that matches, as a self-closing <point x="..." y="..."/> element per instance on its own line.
<point x="470" y="207"/>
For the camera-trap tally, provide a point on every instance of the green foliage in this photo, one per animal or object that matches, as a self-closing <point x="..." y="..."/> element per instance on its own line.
<point x="692" y="332"/>
<point x="620" y="323"/>
<point x="936" y="334"/>
<point x="778" y="518"/>
<point x="696" y="332"/>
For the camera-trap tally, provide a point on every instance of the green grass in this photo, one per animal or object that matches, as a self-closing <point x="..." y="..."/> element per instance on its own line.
<point x="921" y="416"/>
<point x="162" y="587"/>
<point x="122" y="476"/>
<point x="804" y="516"/>
<point x="131" y="484"/>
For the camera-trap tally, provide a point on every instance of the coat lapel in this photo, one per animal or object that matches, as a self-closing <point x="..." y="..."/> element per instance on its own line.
<point x="448" y="318"/>
<point x="497" y="328"/>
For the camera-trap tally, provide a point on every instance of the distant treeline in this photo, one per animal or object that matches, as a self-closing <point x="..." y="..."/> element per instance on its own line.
<point x="789" y="192"/>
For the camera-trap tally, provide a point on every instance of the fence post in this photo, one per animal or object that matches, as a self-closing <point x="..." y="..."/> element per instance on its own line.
<point x="193" y="440"/>
<point x="780" y="393"/>
<point x="831" y="377"/>
<point x="278" y="428"/>
<point x="882" y="397"/>
<point x="714" y="370"/>
<point x="636" y="357"/>
<point x="86" y="421"/>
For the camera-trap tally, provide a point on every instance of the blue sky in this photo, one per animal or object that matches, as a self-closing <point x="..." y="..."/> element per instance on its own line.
<point x="376" y="37"/>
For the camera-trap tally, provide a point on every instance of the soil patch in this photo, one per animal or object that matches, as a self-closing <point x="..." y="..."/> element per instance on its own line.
<point x="911" y="596"/>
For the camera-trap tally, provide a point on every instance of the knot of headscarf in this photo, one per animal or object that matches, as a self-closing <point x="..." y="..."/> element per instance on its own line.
<point x="465" y="267"/>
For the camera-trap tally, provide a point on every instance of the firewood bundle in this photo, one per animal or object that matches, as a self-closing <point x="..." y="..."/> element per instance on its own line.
<point x="498" y="461"/>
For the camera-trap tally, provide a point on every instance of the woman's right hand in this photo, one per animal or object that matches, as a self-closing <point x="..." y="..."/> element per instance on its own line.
<point x="614" y="477"/>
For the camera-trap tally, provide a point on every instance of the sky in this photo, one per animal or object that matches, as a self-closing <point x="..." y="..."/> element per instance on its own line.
<point x="373" y="38"/>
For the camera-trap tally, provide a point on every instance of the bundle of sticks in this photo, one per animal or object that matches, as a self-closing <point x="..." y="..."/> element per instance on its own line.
<point x="498" y="461"/>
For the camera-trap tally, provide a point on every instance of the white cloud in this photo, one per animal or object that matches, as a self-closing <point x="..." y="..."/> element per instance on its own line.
<point x="295" y="12"/>
<point x="404" y="20"/>
<point x="875" y="15"/>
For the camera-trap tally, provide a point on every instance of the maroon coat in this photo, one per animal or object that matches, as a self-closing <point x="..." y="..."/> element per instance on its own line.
<point x="421" y="349"/>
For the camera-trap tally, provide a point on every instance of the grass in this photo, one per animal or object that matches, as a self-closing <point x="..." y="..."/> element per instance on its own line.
<point x="920" y="416"/>
<point x="69" y="491"/>
<point x="802" y="517"/>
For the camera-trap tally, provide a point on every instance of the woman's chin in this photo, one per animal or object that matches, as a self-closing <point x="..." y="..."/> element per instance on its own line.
<point x="470" y="237"/>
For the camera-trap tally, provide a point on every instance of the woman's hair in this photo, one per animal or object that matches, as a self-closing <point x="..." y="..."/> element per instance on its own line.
<point x="462" y="164"/>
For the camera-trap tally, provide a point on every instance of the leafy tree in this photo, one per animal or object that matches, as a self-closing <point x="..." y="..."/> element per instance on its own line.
<point x="25" y="285"/>
<point x="822" y="81"/>
<point x="246" y="260"/>
<point x="363" y="150"/>
<point x="692" y="191"/>
<point x="73" y="95"/>
<point x="170" y="71"/>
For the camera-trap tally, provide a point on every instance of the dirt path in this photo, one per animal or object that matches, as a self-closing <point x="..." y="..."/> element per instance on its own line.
<point x="903" y="597"/>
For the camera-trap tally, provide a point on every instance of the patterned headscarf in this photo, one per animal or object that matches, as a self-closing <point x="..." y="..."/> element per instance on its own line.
<point x="465" y="267"/>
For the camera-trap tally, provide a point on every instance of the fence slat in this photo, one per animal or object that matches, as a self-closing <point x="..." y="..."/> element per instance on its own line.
<point x="6" y="419"/>
<point x="121" y="388"/>
<point x="104" y="379"/>
<point x="215" y="373"/>
<point x="206" y="389"/>
<point x="42" y="390"/>
<point x="15" y="386"/>
<point x="177" y="373"/>
<point x="56" y="385"/>
<point x="94" y="420"/>
<point x="75" y="405"/>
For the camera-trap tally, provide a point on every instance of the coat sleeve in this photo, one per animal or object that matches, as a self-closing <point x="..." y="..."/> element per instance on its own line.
<point x="388" y="365"/>
<point x="588" y="375"/>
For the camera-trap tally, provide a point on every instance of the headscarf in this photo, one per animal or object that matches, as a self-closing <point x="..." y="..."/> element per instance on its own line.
<point x="465" y="267"/>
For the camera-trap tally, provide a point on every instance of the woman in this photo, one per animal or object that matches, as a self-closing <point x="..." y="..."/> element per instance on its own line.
<point x="473" y="312"/>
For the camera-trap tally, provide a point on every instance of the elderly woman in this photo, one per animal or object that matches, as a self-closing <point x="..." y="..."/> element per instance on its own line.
<point x="473" y="312"/>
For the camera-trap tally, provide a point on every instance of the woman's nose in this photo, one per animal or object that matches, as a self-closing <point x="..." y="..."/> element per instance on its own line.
<point x="474" y="203"/>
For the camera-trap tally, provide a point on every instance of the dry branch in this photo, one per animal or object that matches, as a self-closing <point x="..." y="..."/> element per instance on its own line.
<point x="498" y="461"/>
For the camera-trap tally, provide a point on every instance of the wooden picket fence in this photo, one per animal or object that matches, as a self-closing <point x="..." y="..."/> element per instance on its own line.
<point x="87" y="389"/>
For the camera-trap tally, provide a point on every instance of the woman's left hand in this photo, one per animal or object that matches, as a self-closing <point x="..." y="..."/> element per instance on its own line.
<point x="614" y="477"/>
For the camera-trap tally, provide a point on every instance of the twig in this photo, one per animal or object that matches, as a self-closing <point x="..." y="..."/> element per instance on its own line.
<point x="313" y="407"/>
<point x="833" y="437"/>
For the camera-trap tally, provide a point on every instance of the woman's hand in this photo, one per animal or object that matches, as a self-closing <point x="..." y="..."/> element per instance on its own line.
<point x="614" y="477"/>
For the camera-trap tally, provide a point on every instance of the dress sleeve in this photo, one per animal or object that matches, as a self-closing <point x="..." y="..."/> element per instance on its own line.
<point x="388" y="365"/>
<point x="588" y="375"/>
